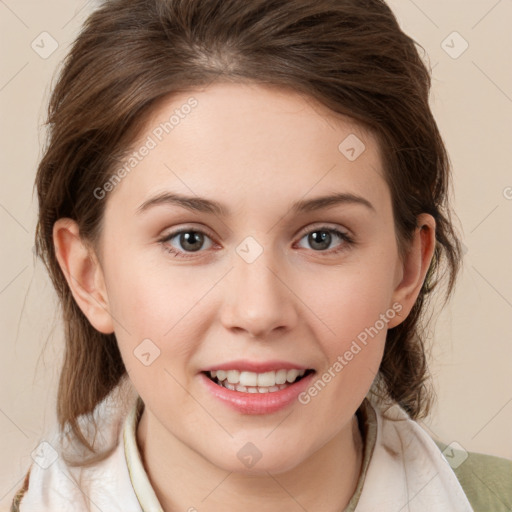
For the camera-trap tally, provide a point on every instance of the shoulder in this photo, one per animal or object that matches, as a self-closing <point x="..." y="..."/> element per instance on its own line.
<point x="486" y="479"/>
<point x="58" y="484"/>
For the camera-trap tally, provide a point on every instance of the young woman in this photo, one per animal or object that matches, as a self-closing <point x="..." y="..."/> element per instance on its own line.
<point x="243" y="209"/>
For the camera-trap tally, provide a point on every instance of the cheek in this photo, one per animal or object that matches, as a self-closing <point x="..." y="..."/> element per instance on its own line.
<point x="156" y="327"/>
<point x="162" y="310"/>
<point x="350" y="299"/>
<point x="150" y="298"/>
<point x="354" y="306"/>
<point x="355" y="311"/>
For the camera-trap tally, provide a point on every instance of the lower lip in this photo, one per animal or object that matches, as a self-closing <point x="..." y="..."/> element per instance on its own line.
<point x="257" y="403"/>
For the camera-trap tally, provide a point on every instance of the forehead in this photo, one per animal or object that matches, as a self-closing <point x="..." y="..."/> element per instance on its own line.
<point x="241" y="142"/>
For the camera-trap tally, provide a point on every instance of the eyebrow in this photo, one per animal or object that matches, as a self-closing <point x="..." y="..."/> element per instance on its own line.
<point x="204" y="205"/>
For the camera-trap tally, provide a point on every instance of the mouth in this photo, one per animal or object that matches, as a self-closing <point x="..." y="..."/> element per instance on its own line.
<point x="252" y="382"/>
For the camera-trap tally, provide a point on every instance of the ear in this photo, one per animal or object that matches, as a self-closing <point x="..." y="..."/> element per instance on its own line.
<point x="83" y="273"/>
<point x="413" y="269"/>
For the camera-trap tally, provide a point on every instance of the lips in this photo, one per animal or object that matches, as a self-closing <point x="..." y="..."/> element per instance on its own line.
<point x="257" y="367"/>
<point x="254" y="377"/>
<point x="256" y="388"/>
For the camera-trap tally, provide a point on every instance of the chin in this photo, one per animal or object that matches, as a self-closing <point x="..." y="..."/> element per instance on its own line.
<point x="252" y="461"/>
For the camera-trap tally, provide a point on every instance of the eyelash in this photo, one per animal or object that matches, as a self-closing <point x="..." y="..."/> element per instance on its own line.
<point x="348" y="241"/>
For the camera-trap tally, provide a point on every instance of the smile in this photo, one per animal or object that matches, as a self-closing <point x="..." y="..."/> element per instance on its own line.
<point x="256" y="387"/>
<point x="252" y="382"/>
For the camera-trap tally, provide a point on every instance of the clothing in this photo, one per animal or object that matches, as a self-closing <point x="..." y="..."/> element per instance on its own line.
<point x="402" y="469"/>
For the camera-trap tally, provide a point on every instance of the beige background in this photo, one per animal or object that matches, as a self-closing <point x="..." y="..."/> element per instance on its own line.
<point x="472" y="101"/>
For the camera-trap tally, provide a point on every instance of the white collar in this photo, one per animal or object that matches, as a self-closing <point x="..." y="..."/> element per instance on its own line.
<point x="406" y="472"/>
<point x="140" y="481"/>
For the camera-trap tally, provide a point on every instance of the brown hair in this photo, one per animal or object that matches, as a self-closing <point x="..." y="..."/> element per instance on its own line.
<point x="350" y="55"/>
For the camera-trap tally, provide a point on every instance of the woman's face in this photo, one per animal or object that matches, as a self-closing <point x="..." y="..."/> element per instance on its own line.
<point x="266" y="278"/>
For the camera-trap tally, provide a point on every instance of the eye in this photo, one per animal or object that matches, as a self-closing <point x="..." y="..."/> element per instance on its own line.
<point x="184" y="242"/>
<point x="190" y="240"/>
<point x="321" y="238"/>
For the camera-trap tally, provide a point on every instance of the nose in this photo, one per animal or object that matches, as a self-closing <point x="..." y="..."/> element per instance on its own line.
<point x="258" y="300"/>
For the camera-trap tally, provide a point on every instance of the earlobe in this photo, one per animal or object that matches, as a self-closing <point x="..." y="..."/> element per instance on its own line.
<point x="415" y="266"/>
<point x="83" y="273"/>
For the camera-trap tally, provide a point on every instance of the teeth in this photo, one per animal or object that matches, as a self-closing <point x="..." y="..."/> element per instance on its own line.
<point x="252" y="382"/>
<point x="248" y="379"/>
<point x="292" y="375"/>
<point x="281" y="376"/>
<point x="252" y="389"/>
<point x="234" y="377"/>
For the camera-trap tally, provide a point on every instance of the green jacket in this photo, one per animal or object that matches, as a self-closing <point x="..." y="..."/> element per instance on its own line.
<point x="486" y="479"/>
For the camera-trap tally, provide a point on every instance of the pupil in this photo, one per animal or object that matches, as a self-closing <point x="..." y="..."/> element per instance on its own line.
<point x="191" y="238"/>
<point x="323" y="239"/>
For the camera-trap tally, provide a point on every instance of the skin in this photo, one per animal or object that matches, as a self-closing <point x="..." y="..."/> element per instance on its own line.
<point x="256" y="150"/>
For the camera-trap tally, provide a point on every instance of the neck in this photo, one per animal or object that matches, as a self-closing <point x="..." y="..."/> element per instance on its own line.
<point x="182" y="479"/>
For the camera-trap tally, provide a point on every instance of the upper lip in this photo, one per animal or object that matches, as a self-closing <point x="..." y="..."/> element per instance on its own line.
<point x="255" y="366"/>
